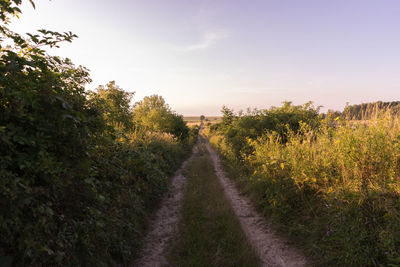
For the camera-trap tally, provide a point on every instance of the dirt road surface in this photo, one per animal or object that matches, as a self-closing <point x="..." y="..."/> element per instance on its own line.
<point x="164" y="225"/>
<point x="271" y="248"/>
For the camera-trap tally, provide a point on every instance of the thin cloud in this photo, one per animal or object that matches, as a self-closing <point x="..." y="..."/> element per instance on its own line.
<point x="210" y="39"/>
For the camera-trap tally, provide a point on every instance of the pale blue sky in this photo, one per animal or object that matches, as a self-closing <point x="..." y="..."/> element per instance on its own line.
<point x="202" y="54"/>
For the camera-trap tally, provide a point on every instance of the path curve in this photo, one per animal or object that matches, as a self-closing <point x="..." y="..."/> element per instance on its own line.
<point x="164" y="224"/>
<point x="271" y="248"/>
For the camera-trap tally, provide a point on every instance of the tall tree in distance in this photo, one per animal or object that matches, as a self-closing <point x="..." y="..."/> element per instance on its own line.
<point x="153" y="114"/>
<point x="117" y="105"/>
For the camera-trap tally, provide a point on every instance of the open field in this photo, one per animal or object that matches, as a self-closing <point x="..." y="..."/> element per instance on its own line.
<point x="192" y="120"/>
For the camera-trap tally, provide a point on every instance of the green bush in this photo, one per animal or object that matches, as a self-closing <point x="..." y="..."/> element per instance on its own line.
<point x="77" y="176"/>
<point x="154" y="115"/>
<point x="238" y="128"/>
<point x="334" y="188"/>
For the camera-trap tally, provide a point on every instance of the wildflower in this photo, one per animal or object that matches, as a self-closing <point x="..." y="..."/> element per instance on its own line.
<point x="329" y="232"/>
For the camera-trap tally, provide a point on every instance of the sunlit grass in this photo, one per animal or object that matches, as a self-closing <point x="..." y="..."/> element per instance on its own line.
<point x="335" y="189"/>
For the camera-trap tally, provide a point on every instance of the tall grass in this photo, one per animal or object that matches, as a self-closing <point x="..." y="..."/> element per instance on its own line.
<point x="335" y="189"/>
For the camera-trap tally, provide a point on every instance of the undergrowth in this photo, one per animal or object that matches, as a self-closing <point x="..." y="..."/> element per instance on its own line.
<point x="79" y="170"/>
<point x="335" y="189"/>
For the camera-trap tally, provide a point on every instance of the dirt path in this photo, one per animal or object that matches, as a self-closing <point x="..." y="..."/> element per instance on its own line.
<point x="272" y="249"/>
<point x="165" y="222"/>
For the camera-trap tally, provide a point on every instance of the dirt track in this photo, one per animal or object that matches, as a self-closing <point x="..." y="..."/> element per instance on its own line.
<point x="271" y="248"/>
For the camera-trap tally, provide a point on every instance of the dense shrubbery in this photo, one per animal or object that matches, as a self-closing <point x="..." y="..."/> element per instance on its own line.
<point x="238" y="128"/>
<point x="335" y="187"/>
<point x="77" y="175"/>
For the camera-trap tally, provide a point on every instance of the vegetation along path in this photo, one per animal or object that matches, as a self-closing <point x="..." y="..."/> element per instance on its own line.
<point x="271" y="248"/>
<point x="209" y="232"/>
<point x="165" y="222"/>
<point x="215" y="229"/>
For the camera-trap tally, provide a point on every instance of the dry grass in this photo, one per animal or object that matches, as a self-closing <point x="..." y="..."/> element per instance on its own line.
<point x="336" y="190"/>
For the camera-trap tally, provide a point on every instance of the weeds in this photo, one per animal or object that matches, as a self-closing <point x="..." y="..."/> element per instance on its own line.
<point x="335" y="189"/>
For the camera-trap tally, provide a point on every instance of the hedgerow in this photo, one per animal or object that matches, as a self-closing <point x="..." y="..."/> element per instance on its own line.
<point x="77" y="175"/>
<point x="334" y="188"/>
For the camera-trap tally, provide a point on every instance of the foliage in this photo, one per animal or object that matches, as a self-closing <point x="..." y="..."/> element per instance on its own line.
<point x="154" y="115"/>
<point x="335" y="189"/>
<point x="116" y="106"/>
<point x="238" y="128"/>
<point x="76" y="183"/>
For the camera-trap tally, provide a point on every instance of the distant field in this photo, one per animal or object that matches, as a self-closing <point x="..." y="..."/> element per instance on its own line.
<point x="191" y="120"/>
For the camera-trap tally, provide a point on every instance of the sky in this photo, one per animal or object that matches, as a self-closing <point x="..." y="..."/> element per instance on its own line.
<point x="203" y="54"/>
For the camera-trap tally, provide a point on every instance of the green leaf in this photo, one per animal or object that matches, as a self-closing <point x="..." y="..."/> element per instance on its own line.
<point x="33" y="4"/>
<point x="6" y="261"/>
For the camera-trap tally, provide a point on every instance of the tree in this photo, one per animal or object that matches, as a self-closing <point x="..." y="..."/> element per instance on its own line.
<point x="154" y="115"/>
<point x="227" y="116"/>
<point x="202" y="117"/>
<point x="151" y="113"/>
<point x="117" y="105"/>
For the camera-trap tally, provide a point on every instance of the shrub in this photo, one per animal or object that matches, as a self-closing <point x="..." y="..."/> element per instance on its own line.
<point x="334" y="188"/>
<point x="76" y="180"/>
<point x="238" y="128"/>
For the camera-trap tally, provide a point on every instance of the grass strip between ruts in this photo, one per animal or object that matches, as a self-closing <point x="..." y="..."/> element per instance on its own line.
<point x="210" y="234"/>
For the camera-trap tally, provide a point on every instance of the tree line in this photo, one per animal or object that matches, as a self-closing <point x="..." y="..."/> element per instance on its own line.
<point x="371" y="110"/>
<point x="366" y="111"/>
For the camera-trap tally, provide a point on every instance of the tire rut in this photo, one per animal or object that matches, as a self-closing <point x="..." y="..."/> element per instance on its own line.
<point x="164" y="224"/>
<point x="272" y="249"/>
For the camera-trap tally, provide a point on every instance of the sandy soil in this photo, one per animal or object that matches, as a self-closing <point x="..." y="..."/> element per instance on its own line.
<point x="164" y="224"/>
<point x="271" y="248"/>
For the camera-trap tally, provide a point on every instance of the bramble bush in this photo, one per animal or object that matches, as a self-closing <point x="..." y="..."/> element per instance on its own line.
<point x="77" y="176"/>
<point x="238" y="128"/>
<point x="335" y="188"/>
